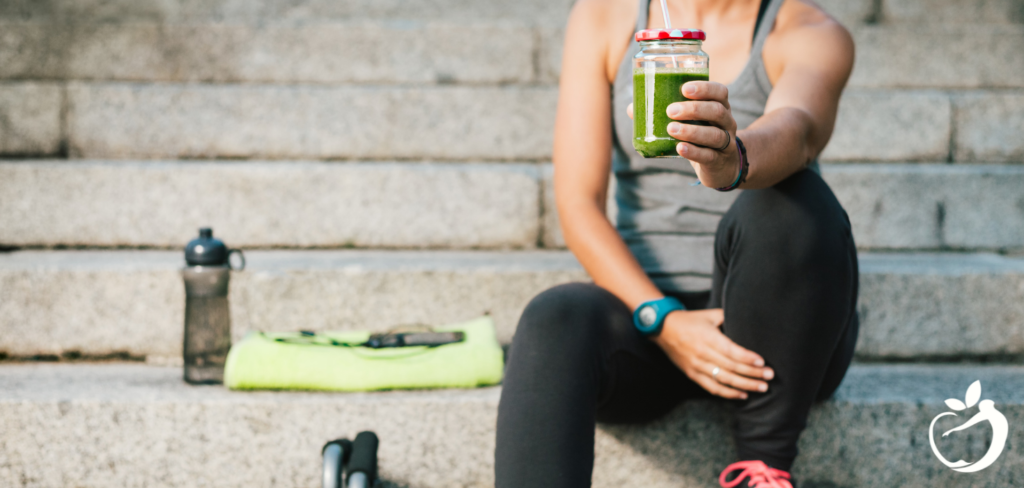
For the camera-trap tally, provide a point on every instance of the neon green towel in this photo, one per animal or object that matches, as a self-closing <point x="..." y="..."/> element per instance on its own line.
<point x="259" y="362"/>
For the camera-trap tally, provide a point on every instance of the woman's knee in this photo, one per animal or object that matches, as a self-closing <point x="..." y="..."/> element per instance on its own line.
<point x="797" y="221"/>
<point x="570" y="317"/>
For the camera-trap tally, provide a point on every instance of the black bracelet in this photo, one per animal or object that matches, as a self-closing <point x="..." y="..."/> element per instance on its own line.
<point x="744" y="167"/>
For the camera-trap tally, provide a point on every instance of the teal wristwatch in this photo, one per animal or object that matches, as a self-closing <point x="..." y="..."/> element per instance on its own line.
<point x="650" y="316"/>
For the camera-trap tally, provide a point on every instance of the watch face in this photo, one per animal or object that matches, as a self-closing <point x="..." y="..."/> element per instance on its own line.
<point x="648" y="316"/>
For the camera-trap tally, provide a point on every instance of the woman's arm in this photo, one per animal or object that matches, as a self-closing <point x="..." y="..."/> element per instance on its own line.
<point x="811" y="62"/>
<point x="582" y="159"/>
<point x="582" y="165"/>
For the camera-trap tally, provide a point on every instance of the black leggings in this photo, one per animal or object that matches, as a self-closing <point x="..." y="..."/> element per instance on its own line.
<point x="786" y="275"/>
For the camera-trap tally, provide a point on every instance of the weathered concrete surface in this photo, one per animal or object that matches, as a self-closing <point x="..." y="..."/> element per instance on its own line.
<point x="940" y="305"/>
<point x="549" y="57"/>
<point x="278" y="122"/>
<point x="989" y="126"/>
<point x="915" y="55"/>
<point x="30" y="117"/>
<point x="94" y="303"/>
<point x="280" y="11"/>
<point x="293" y="204"/>
<point x="934" y="206"/>
<point x="887" y="125"/>
<point x="316" y="52"/>
<point x="953" y="12"/>
<point x="104" y="302"/>
<point x="120" y="425"/>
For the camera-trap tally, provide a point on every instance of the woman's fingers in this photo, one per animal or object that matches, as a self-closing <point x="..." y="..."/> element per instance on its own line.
<point x="706" y="90"/>
<point x="737" y="353"/>
<point x="716" y="388"/>
<point x="710" y="137"/>
<point x="697" y="154"/>
<point x="754" y="372"/>
<point x="738" y="382"/>
<point x="733" y="374"/>
<point x="629" y="110"/>
<point x="711" y="111"/>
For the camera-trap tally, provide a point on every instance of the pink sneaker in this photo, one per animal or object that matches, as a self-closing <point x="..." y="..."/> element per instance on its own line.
<point x="761" y="476"/>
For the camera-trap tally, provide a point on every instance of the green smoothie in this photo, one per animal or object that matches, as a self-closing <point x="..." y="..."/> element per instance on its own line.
<point x="653" y="91"/>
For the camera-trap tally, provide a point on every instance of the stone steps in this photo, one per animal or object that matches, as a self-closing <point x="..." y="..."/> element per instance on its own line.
<point x="451" y="122"/>
<point x="98" y="425"/>
<point x="907" y="44"/>
<point x="950" y="12"/>
<point x="442" y="205"/>
<point x="284" y="204"/>
<point x="280" y="11"/>
<point x="101" y="303"/>
<point x="443" y="52"/>
<point x="353" y="51"/>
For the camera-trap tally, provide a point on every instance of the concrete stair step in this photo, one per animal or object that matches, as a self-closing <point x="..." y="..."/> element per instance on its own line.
<point x="961" y="55"/>
<point x="101" y="303"/>
<point x="342" y="51"/>
<point x="280" y="11"/>
<point x="455" y="122"/>
<point x="431" y="51"/>
<point x="932" y="205"/>
<point x="33" y="122"/>
<point x="443" y="205"/>
<point x="951" y="12"/>
<point x="94" y="425"/>
<point x="278" y="204"/>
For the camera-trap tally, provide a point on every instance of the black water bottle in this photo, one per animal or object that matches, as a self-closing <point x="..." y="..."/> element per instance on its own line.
<point x="207" y="318"/>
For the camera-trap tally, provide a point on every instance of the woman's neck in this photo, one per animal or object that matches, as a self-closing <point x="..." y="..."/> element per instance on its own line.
<point x="698" y="13"/>
<point x="729" y="25"/>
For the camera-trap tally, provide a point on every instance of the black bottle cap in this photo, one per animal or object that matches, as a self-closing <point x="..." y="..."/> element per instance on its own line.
<point x="206" y="250"/>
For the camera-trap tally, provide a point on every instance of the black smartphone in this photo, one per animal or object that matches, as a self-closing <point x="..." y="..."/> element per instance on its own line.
<point x="410" y="339"/>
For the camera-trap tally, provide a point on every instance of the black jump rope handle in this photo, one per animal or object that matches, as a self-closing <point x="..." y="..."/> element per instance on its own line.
<point x="334" y="466"/>
<point x="358" y="456"/>
<point x="346" y="448"/>
<point x="364" y="456"/>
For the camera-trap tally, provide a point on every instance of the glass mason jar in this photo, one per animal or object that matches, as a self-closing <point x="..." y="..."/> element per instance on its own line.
<point x="667" y="59"/>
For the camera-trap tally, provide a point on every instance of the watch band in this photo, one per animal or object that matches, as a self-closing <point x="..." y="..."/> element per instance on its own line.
<point x="649" y="317"/>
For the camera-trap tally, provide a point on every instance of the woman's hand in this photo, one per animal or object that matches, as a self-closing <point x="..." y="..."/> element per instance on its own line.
<point x="710" y="149"/>
<point x="694" y="342"/>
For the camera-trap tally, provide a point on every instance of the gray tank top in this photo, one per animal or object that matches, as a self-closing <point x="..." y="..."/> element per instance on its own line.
<point x="668" y="224"/>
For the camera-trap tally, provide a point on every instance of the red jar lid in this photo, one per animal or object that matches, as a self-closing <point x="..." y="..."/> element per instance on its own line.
<point x="656" y="34"/>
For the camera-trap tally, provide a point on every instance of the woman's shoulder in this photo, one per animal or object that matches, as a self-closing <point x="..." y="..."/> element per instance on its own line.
<point x="606" y="25"/>
<point x="800" y="18"/>
<point x="805" y="31"/>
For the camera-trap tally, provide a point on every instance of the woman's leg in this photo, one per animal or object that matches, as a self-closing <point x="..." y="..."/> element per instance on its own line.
<point x="786" y="275"/>
<point x="576" y="359"/>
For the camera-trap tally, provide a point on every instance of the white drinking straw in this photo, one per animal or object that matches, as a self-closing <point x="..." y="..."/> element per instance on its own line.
<point x="668" y="26"/>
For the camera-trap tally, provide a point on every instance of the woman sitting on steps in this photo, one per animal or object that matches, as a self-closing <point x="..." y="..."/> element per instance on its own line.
<point x="762" y="313"/>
